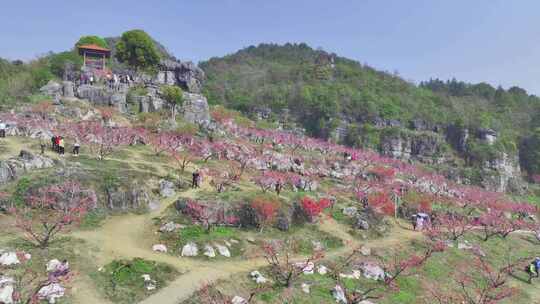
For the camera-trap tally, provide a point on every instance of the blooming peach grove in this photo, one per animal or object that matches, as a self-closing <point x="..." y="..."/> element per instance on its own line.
<point x="374" y="180"/>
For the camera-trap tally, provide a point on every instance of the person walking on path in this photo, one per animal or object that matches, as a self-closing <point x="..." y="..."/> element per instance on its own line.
<point x="196" y="179"/>
<point x="42" y="146"/>
<point x="76" y="148"/>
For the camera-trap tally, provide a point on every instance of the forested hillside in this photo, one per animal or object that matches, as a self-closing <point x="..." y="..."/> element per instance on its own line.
<point x="325" y="93"/>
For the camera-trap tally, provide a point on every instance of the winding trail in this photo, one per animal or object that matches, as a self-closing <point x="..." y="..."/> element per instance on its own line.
<point x="129" y="236"/>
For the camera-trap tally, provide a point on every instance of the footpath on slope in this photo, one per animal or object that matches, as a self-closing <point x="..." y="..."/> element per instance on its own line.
<point x="130" y="235"/>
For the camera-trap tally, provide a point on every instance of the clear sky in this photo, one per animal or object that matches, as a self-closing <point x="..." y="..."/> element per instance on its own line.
<point x="497" y="41"/>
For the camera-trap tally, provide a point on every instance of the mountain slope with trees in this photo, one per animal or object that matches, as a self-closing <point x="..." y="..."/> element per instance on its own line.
<point x="329" y="95"/>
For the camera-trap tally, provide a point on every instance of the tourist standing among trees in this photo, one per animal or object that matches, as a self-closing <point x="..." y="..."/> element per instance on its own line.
<point x="2" y="129"/>
<point x="61" y="145"/>
<point x="76" y="148"/>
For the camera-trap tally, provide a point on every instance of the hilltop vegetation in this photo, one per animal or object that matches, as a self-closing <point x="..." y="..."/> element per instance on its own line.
<point x="324" y="91"/>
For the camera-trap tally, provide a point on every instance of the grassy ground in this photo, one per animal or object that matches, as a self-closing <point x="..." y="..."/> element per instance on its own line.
<point x="106" y="239"/>
<point x="121" y="281"/>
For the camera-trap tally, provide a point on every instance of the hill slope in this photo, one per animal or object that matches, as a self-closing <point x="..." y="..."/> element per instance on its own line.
<point x="330" y="96"/>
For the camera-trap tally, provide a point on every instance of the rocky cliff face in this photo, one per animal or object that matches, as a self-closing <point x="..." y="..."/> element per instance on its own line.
<point x="183" y="74"/>
<point x="427" y="147"/>
<point x="171" y="72"/>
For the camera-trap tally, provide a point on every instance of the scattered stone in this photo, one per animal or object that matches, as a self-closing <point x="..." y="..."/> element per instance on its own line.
<point x="258" y="277"/>
<point x="339" y="295"/>
<point x="6" y="294"/>
<point x="238" y="300"/>
<point x="53" y="264"/>
<point x="317" y="246"/>
<point x="322" y="270"/>
<point x="190" y="250"/>
<point x="170" y="227"/>
<point x="228" y="244"/>
<point x="250" y="240"/>
<point x="6" y="290"/>
<point x="465" y="245"/>
<point x="233" y="241"/>
<point x="307" y="268"/>
<point x="305" y="287"/>
<point x="372" y="271"/>
<point x="9" y="258"/>
<point x="365" y="251"/>
<point x="361" y="224"/>
<point x="365" y="302"/>
<point x="149" y="284"/>
<point x="350" y="211"/>
<point x="159" y="248"/>
<point x="223" y="250"/>
<point x="209" y="251"/>
<point x="356" y="274"/>
<point x="51" y="292"/>
<point x="166" y="188"/>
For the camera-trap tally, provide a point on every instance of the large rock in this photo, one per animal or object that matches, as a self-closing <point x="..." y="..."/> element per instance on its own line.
<point x="137" y="196"/>
<point x="195" y="109"/>
<point x="51" y="292"/>
<point x="258" y="277"/>
<point x="103" y="96"/>
<point x="12" y="168"/>
<point x="223" y="250"/>
<point x="6" y="290"/>
<point x="339" y="295"/>
<point x="372" y="271"/>
<point x="184" y="74"/>
<point x="190" y="250"/>
<point x="209" y="251"/>
<point x="166" y="188"/>
<point x="52" y="89"/>
<point x="68" y="89"/>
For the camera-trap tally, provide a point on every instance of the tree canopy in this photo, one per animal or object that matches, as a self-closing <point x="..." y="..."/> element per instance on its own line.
<point x="137" y="49"/>
<point x="92" y="40"/>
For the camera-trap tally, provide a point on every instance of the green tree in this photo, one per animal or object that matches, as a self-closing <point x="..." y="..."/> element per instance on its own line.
<point x="59" y="61"/>
<point x="92" y="40"/>
<point x="174" y="96"/>
<point x="137" y="49"/>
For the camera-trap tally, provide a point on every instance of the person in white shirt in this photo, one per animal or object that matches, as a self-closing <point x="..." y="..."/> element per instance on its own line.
<point x="2" y="129"/>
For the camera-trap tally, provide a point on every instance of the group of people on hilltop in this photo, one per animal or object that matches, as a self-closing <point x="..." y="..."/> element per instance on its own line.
<point x="58" y="145"/>
<point x="112" y="80"/>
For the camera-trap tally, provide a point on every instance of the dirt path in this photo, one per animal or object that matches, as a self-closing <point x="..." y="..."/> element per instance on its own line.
<point x="129" y="236"/>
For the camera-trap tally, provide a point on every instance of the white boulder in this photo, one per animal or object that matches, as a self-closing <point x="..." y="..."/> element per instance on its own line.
<point x="322" y="270"/>
<point x="6" y="294"/>
<point x="51" y="292"/>
<point x="305" y="288"/>
<point x="372" y="271"/>
<point x="9" y="258"/>
<point x="209" y="251"/>
<point x="258" y="277"/>
<point x="53" y="264"/>
<point x="170" y="227"/>
<point x="223" y="250"/>
<point x="339" y="295"/>
<point x="6" y="290"/>
<point x="159" y="248"/>
<point x="238" y="300"/>
<point x="190" y="250"/>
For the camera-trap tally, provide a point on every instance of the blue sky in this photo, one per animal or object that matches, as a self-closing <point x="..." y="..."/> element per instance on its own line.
<point x="497" y="41"/>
